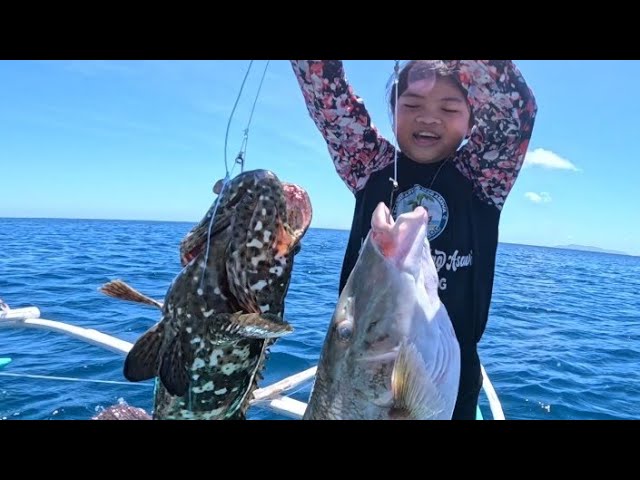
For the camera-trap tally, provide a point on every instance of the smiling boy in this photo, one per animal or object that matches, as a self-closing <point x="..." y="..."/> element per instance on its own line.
<point x="441" y="103"/>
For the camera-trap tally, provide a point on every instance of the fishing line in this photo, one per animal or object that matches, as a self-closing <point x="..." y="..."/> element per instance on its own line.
<point x="226" y="136"/>
<point x="416" y="75"/>
<point x="227" y="175"/>
<point x="243" y="148"/>
<point x="213" y="215"/>
<point x="240" y="159"/>
<point x="394" y="180"/>
<point x="71" y="379"/>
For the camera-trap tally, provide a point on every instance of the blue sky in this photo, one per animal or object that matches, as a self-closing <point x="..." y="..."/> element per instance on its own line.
<point x="145" y="140"/>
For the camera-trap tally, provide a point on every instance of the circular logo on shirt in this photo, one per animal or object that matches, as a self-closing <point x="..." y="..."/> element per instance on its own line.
<point x="419" y="196"/>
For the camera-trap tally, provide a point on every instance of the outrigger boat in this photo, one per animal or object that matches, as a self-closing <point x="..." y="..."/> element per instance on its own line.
<point x="271" y="397"/>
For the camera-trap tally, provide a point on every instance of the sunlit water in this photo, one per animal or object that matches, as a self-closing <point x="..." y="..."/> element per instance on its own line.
<point x="563" y="340"/>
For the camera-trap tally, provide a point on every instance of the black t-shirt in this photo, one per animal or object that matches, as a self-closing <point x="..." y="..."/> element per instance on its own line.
<point x="463" y="235"/>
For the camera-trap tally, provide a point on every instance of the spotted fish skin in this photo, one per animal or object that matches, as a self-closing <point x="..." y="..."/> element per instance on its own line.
<point x="226" y="307"/>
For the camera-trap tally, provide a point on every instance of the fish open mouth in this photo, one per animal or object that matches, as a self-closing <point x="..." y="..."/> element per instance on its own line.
<point x="399" y="239"/>
<point x="299" y="212"/>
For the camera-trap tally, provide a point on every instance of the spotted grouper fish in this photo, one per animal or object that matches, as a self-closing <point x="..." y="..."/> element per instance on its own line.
<point x="226" y="307"/>
<point x="391" y="351"/>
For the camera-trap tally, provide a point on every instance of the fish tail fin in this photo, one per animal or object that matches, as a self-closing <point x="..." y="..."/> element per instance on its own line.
<point x="119" y="289"/>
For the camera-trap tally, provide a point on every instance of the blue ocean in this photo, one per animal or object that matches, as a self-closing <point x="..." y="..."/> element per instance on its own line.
<point x="563" y="339"/>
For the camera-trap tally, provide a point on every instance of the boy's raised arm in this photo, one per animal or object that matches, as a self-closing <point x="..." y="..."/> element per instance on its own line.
<point x="354" y="143"/>
<point x="504" y="110"/>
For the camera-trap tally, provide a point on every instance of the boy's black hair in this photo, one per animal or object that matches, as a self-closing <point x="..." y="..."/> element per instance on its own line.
<point x="422" y="67"/>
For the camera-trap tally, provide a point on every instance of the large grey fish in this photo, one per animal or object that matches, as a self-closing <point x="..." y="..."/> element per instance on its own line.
<point x="226" y="307"/>
<point x="390" y="351"/>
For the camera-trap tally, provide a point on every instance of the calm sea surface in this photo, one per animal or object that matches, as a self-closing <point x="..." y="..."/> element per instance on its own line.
<point x="563" y="340"/>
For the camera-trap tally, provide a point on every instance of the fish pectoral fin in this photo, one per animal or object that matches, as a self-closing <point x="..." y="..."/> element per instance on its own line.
<point x="255" y="325"/>
<point x="415" y="395"/>
<point x="174" y="367"/>
<point x="120" y="290"/>
<point x="143" y="359"/>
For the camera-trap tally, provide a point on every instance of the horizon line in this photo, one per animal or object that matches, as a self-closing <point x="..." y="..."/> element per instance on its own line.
<point x="561" y="247"/>
<point x="105" y="219"/>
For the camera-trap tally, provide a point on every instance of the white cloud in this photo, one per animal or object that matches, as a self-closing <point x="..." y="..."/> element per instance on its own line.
<point x="542" y="197"/>
<point x="548" y="159"/>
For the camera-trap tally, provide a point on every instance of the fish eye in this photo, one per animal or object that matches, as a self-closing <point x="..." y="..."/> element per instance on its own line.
<point x="297" y="249"/>
<point x="219" y="185"/>
<point x="344" y="331"/>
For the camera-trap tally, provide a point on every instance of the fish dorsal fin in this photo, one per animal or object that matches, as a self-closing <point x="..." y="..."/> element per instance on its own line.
<point x="415" y="395"/>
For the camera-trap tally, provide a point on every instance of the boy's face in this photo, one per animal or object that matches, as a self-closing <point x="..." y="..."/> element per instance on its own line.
<point x="433" y="119"/>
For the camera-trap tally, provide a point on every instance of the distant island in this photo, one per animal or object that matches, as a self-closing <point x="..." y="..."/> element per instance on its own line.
<point x="587" y="248"/>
